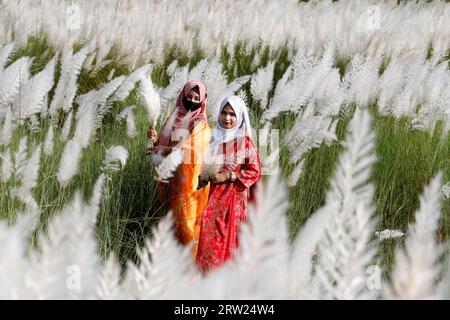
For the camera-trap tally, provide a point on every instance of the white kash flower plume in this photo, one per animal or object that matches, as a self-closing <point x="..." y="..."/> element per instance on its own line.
<point x="170" y="93"/>
<point x="12" y="78"/>
<point x="346" y="250"/>
<point x="128" y="84"/>
<point x="48" y="144"/>
<point x="116" y="158"/>
<point x="218" y="89"/>
<point x="5" y="52"/>
<point x="97" y="194"/>
<point x="68" y="165"/>
<point x="300" y="81"/>
<point x="389" y="234"/>
<point x="87" y="117"/>
<point x="7" y="166"/>
<point x="296" y="173"/>
<point x="30" y="174"/>
<point x="261" y="84"/>
<point x="264" y="246"/>
<point x="109" y="280"/>
<point x="31" y="96"/>
<point x="66" y="127"/>
<point x="302" y="252"/>
<point x="13" y="266"/>
<point x="362" y="81"/>
<point x="66" y="88"/>
<point x="111" y="74"/>
<point x="308" y="133"/>
<point x="102" y="99"/>
<point x="150" y="99"/>
<point x="35" y="125"/>
<point x="164" y="265"/>
<point x="67" y="265"/>
<point x="446" y="190"/>
<point x="157" y="158"/>
<point x="131" y="126"/>
<point x="212" y="162"/>
<point x="169" y="164"/>
<point x="7" y="128"/>
<point x="20" y="157"/>
<point x="123" y="114"/>
<point x="417" y="266"/>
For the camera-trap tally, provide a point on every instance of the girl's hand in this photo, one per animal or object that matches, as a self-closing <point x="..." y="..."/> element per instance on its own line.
<point x="221" y="177"/>
<point x="201" y="183"/>
<point x="163" y="149"/>
<point x="152" y="134"/>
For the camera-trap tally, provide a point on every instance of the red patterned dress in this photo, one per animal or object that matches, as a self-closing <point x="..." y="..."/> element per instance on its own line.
<point x="227" y="204"/>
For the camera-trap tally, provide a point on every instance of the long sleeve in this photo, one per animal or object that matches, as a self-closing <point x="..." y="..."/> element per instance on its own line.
<point x="249" y="171"/>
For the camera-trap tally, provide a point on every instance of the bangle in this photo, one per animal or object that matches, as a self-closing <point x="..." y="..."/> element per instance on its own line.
<point x="233" y="176"/>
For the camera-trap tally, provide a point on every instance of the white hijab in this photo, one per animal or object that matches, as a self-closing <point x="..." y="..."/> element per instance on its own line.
<point x="242" y="128"/>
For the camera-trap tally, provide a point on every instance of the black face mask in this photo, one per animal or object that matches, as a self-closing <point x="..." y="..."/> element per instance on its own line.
<point x="191" y="105"/>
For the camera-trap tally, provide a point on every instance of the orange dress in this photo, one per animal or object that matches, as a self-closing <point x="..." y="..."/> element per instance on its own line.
<point x="185" y="201"/>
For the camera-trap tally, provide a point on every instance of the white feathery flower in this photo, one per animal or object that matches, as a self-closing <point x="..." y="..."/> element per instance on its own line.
<point x="446" y="190"/>
<point x="170" y="93"/>
<point x="103" y="97"/>
<point x="389" y="234"/>
<point x="211" y="164"/>
<point x="34" y="124"/>
<point x="111" y="74"/>
<point x="13" y="266"/>
<point x="48" y="144"/>
<point x="131" y="126"/>
<point x="346" y="250"/>
<point x="109" y="280"/>
<point x="44" y="109"/>
<point x="86" y="124"/>
<point x="157" y="158"/>
<point x="296" y="173"/>
<point x="417" y="266"/>
<point x="66" y="127"/>
<point x="31" y="96"/>
<point x="150" y="99"/>
<point x="123" y="114"/>
<point x="12" y="78"/>
<point x="308" y="133"/>
<point x="302" y="252"/>
<point x="129" y="83"/>
<point x="66" y="87"/>
<point x="30" y="173"/>
<point x="96" y="197"/>
<point x="5" y="52"/>
<point x="68" y="263"/>
<point x="7" y="166"/>
<point x="164" y="263"/>
<point x="116" y="158"/>
<point x="20" y="157"/>
<point x="68" y="165"/>
<point x="7" y="128"/>
<point x="261" y="84"/>
<point x="168" y="166"/>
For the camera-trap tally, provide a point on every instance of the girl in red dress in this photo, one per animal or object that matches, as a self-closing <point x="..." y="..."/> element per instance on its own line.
<point x="230" y="187"/>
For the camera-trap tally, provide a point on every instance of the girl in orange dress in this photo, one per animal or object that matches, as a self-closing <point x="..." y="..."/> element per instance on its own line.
<point x="186" y="128"/>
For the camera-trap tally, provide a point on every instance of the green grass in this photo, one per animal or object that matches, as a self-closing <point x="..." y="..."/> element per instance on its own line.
<point x="407" y="159"/>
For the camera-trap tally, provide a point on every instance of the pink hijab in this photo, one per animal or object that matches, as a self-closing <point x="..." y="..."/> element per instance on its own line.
<point x="180" y="117"/>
